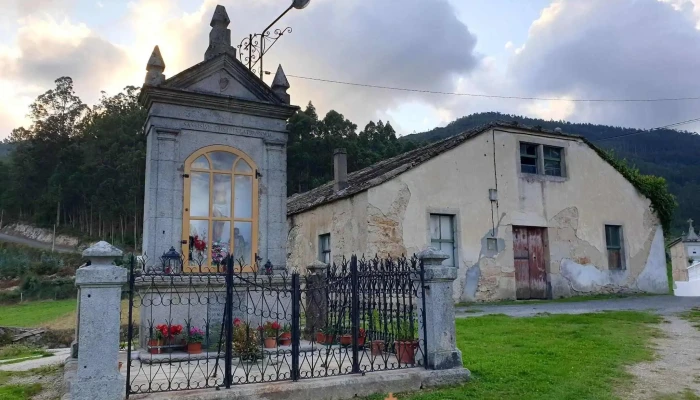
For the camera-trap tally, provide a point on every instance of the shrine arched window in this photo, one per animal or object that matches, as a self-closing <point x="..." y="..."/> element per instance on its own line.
<point x="220" y="209"/>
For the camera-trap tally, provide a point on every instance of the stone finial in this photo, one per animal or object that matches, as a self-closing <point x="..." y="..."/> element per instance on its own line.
<point x="691" y="231"/>
<point x="220" y="35"/>
<point x="155" y="68"/>
<point x="280" y="85"/>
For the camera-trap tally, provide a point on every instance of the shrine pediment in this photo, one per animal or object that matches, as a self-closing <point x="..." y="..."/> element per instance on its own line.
<point x="223" y="75"/>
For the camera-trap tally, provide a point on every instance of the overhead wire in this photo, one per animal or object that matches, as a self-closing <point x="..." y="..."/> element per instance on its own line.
<point x="493" y="96"/>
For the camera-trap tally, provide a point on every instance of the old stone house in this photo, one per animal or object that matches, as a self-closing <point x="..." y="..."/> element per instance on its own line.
<point x="522" y="212"/>
<point x="684" y="251"/>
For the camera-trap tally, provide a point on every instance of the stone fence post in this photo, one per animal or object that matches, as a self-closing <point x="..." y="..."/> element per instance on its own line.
<point x="440" y="335"/>
<point x="100" y="286"/>
<point x="316" y="302"/>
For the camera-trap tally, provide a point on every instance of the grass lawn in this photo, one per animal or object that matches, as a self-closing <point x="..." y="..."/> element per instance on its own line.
<point x="554" y="357"/>
<point x="35" y="314"/>
<point x="22" y="385"/>
<point x="692" y="316"/>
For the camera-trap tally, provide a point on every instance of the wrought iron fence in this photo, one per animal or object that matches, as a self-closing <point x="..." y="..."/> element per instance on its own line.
<point x="356" y="317"/>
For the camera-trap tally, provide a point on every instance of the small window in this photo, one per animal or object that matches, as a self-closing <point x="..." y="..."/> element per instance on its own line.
<point x="442" y="236"/>
<point x="552" y="160"/>
<point x="613" y="242"/>
<point x="491" y="244"/>
<point x="324" y="248"/>
<point x="528" y="158"/>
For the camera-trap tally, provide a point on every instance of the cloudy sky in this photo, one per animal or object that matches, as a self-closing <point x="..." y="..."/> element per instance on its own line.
<point x="570" y="49"/>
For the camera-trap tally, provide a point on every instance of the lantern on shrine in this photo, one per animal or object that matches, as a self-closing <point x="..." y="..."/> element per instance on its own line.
<point x="172" y="262"/>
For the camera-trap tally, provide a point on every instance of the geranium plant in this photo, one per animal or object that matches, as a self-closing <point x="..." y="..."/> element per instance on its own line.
<point x="195" y="335"/>
<point x="270" y="329"/>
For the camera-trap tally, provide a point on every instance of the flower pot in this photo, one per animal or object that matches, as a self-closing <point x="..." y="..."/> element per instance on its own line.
<point x="154" y="346"/>
<point x="406" y="352"/>
<point x="270" y="342"/>
<point x="320" y="337"/>
<point x="345" y="340"/>
<point x="194" y="348"/>
<point x="286" y="339"/>
<point x="361" y="341"/>
<point x="377" y="347"/>
<point x="329" y="339"/>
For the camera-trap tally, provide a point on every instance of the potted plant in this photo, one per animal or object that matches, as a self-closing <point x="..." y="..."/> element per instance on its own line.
<point x="329" y="335"/>
<point x="320" y="336"/>
<point x="406" y="342"/>
<point x="246" y="341"/>
<point x="156" y="339"/>
<point x="286" y="336"/>
<point x="375" y="327"/>
<point x="270" y="331"/>
<point x="361" y="338"/>
<point x="195" y="337"/>
<point x="346" y="339"/>
<point x="174" y="332"/>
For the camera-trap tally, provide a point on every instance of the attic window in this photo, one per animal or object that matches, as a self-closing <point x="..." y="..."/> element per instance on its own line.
<point x="541" y="159"/>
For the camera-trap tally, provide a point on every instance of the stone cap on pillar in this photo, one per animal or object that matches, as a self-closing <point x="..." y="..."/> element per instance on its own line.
<point x="316" y="267"/>
<point x="101" y="271"/>
<point x="432" y="259"/>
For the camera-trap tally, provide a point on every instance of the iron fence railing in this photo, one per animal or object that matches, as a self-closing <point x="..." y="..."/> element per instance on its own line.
<point x="224" y="328"/>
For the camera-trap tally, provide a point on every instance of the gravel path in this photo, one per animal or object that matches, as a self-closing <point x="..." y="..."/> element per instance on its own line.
<point x="676" y="367"/>
<point x="664" y="305"/>
<point x="34" y="243"/>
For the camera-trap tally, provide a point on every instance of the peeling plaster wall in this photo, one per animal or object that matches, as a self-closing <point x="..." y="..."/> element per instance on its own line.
<point x="393" y="218"/>
<point x="574" y="210"/>
<point x="345" y="220"/>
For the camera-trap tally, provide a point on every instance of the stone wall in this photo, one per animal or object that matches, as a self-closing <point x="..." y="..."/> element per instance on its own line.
<point x="40" y="235"/>
<point x="171" y="140"/>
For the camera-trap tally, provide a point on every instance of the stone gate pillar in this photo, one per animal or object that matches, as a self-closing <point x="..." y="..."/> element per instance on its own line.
<point x="440" y="336"/>
<point x="316" y="301"/>
<point x="100" y="287"/>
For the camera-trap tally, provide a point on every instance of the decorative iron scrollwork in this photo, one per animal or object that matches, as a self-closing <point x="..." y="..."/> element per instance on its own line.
<point x="252" y="48"/>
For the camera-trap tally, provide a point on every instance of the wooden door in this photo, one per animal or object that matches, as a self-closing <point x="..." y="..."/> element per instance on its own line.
<point x="529" y="257"/>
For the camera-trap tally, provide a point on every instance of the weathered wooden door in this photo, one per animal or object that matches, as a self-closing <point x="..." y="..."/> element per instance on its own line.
<point x="529" y="253"/>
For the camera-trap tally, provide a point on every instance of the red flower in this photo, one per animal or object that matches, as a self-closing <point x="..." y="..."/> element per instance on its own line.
<point x="276" y="325"/>
<point x="236" y="322"/>
<point x="199" y="244"/>
<point x="261" y="328"/>
<point x="175" y="330"/>
<point x="362" y="332"/>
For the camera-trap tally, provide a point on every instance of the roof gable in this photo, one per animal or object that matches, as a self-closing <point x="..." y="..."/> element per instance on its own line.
<point x="223" y="75"/>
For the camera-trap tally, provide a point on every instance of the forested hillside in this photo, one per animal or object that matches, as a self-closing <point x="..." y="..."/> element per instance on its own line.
<point x="673" y="155"/>
<point x="83" y="168"/>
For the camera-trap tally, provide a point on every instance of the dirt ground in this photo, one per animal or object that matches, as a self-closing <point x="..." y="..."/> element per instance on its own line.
<point x="676" y="368"/>
<point x="50" y="378"/>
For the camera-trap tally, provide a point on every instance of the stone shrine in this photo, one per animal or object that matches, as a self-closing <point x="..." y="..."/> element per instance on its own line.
<point x="215" y="180"/>
<point x="215" y="159"/>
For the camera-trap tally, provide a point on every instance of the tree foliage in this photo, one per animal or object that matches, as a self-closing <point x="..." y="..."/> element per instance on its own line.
<point x="78" y="167"/>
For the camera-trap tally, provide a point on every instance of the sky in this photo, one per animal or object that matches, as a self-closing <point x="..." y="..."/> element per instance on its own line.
<point x="562" y="49"/>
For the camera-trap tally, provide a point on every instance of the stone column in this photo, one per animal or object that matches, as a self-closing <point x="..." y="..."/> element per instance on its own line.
<point x="316" y="302"/>
<point x="440" y="336"/>
<point x="100" y="287"/>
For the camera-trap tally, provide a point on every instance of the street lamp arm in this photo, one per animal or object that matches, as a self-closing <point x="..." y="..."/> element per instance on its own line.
<point x="278" y="18"/>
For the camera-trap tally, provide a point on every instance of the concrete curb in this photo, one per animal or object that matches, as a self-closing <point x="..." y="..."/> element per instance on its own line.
<point x="333" y="388"/>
